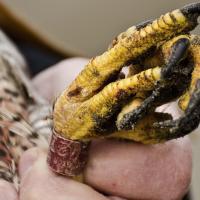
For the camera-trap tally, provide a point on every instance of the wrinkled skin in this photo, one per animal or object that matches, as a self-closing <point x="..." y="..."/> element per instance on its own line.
<point x="104" y="154"/>
<point x="38" y="182"/>
<point x="169" y="164"/>
<point x="82" y="111"/>
<point x="38" y="175"/>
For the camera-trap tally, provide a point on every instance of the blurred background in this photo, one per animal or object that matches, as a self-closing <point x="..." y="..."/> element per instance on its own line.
<point x="86" y="27"/>
<point x="67" y="28"/>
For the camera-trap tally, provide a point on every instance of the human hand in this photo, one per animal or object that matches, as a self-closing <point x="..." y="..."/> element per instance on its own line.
<point x="129" y="170"/>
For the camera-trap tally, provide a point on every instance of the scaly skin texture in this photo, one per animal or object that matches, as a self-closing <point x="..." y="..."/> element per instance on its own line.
<point x="82" y="109"/>
<point x="130" y="115"/>
<point x="90" y="106"/>
<point x="99" y="69"/>
<point x="91" y="114"/>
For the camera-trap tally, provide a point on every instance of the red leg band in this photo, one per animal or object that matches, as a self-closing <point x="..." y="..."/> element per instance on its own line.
<point x="67" y="157"/>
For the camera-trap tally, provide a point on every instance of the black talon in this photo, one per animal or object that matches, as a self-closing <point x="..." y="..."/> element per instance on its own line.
<point x="166" y="89"/>
<point x="178" y="52"/>
<point x="185" y="124"/>
<point x="193" y="8"/>
<point x="191" y="12"/>
<point x="162" y="94"/>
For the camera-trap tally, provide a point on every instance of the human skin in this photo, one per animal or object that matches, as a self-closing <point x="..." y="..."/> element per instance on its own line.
<point x="124" y="169"/>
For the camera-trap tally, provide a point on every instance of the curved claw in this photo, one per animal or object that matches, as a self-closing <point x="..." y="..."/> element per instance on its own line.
<point x="191" y="12"/>
<point x="194" y="60"/>
<point x="98" y="71"/>
<point x="89" y="98"/>
<point x="178" y="52"/>
<point x="165" y="88"/>
<point x="185" y="124"/>
<point x="191" y="9"/>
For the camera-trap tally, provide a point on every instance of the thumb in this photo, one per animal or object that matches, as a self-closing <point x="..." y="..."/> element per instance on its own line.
<point x="38" y="182"/>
